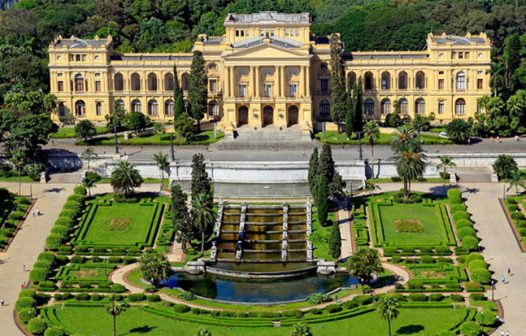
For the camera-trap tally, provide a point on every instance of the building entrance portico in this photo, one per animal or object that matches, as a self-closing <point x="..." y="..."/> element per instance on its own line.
<point x="292" y="115"/>
<point x="268" y="115"/>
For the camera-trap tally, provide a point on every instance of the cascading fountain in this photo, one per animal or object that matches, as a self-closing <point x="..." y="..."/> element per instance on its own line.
<point x="308" y="206"/>
<point x="241" y="237"/>
<point x="284" y="243"/>
<point x="217" y="230"/>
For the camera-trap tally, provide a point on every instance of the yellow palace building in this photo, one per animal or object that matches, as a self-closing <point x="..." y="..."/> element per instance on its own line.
<point x="268" y="69"/>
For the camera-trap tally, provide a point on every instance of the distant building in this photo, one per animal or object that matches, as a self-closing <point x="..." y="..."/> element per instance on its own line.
<point x="268" y="69"/>
<point x="6" y="4"/>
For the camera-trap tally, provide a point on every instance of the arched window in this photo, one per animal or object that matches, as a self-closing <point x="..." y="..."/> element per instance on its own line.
<point x="169" y="107"/>
<point x="460" y="107"/>
<point x="152" y="82"/>
<point x="213" y="108"/>
<point x="461" y="81"/>
<point x="420" y="106"/>
<point x="135" y="82"/>
<point x="61" y="109"/>
<point x="136" y="105"/>
<point x="351" y="80"/>
<point x="79" y="83"/>
<point x="119" y="103"/>
<point x="98" y="108"/>
<point x="168" y="82"/>
<point x="325" y="109"/>
<point x="184" y="81"/>
<point x="402" y="80"/>
<point x="369" y="81"/>
<point x="368" y="107"/>
<point x="386" y="106"/>
<point x="402" y="104"/>
<point x="153" y="107"/>
<point x="118" y="82"/>
<point x="386" y="80"/>
<point x="80" y="108"/>
<point x="420" y="80"/>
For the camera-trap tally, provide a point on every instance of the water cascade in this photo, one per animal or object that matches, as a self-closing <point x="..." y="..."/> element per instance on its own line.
<point x="308" y="223"/>
<point x="241" y="236"/>
<point x="284" y="243"/>
<point x="217" y="230"/>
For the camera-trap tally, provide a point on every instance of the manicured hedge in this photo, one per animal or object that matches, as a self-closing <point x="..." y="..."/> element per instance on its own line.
<point x="36" y="326"/>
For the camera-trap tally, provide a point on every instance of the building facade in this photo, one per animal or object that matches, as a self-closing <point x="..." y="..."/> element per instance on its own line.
<point x="268" y="69"/>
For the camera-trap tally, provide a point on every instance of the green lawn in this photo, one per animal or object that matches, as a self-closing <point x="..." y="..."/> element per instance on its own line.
<point x="137" y="218"/>
<point x="431" y="235"/>
<point x="320" y="236"/>
<point x="23" y="179"/>
<point x="335" y="138"/>
<point x="203" y="138"/>
<point x="69" y="132"/>
<point x="95" y="321"/>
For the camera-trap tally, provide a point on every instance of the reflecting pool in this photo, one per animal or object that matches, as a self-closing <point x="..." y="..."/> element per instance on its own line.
<point x="258" y="290"/>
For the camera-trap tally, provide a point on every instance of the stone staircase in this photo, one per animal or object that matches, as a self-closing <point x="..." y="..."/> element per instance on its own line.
<point x="473" y="174"/>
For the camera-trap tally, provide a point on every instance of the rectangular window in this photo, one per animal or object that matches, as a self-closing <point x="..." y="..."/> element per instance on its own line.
<point x="98" y="109"/>
<point x="441" y="84"/>
<point x="293" y="89"/>
<point x="454" y="55"/>
<point x="77" y="58"/>
<point x="242" y="90"/>
<point x="213" y="85"/>
<point x="440" y="107"/>
<point x="441" y="72"/>
<point x="97" y="86"/>
<point x="60" y="86"/>
<point x="460" y="55"/>
<point x="466" y="55"/>
<point x="71" y="58"/>
<point x="79" y="84"/>
<point x="324" y="85"/>
<point x="480" y="83"/>
<point x="267" y="90"/>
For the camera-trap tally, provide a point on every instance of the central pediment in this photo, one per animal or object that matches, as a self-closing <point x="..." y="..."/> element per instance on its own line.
<point x="266" y="50"/>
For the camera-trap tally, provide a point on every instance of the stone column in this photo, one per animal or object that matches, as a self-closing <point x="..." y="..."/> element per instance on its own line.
<point x="252" y="81"/>
<point x="231" y="80"/>
<point x="226" y="84"/>
<point x="282" y="81"/>
<point x="257" y="85"/>
<point x="303" y="81"/>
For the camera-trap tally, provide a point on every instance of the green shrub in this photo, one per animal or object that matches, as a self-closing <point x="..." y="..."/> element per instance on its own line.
<point x="24" y="303"/>
<point x="458" y="207"/>
<point x="293" y="313"/>
<point x="46" y="285"/>
<point x="470" y="328"/>
<point x="153" y="298"/>
<point x="76" y="198"/>
<point x="465" y="232"/>
<point x="417" y="297"/>
<point x="38" y="274"/>
<point x="415" y="284"/>
<point x="517" y="215"/>
<point x="78" y="259"/>
<point x="129" y="260"/>
<point x="459" y="250"/>
<point x="26" y="314"/>
<point x="16" y="215"/>
<point x="66" y="213"/>
<point x="55" y="331"/>
<point x="462" y="223"/>
<point x="186" y="295"/>
<point x="454" y="194"/>
<point x="470" y="242"/>
<point x="180" y="308"/>
<point x="443" y="250"/>
<point x="513" y="207"/>
<point x="333" y="308"/>
<point x="54" y="240"/>
<point x="362" y="300"/>
<point x="477" y="297"/>
<point x="60" y="230"/>
<point x="460" y="215"/>
<point x="96" y="297"/>
<point x="64" y="221"/>
<point x="473" y="256"/>
<point x="481" y="275"/>
<point x="446" y="333"/>
<point x="317" y="298"/>
<point x="436" y="297"/>
<point x="477" y="264"/>
<point x="83" y="297"/>
<point x="486" y="317"/>
<point x="136" y="297"/>
<point x="316" y="311"/>
<point x="457" y="298"/>
<point x="73" y="206"/>
<point x="427" y="260"/>
<point x="36" y="326"/>
<point x="80" y="190"/>
<point x="472" y="286"/>
<point x="115" y="260"/>
<point x="27" y="293"/>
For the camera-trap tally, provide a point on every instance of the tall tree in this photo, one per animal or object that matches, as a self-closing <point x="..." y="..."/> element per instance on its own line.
<point x="512" y="54"/>
<point x="349" y="113"/>
<point x="198" y="88"/>
<point x="202" y="215"/>
<point x="326" y="163"/>
<point x="322" y="200"/>
<point x="154" y="266"/>
<point x="89" y="181"/>
<point x="125" y="177"/>
<point x="115" y="119"/>
<point x="497" y="81"/>
<point x="364" y="263"/>
<point x="388" y="308"/>
<point x="201" y="183"/>
<point x="516" y="180"/>
<point x="161" y="160"/>
<point x="371" y="134"/>
<point x="410" y="166"/>
<point x="338" y="95"/>
<point x="504" y="166"/>
<point x="358" y="107"/>
<point x="178" y="96"/>
<point x="115" y="309"/>
<point x="182" y="222"/>
<point x="335" y="241"/>
<point x="444" y="164"/>
<point x="85" y="130"/>
<point x="313" y="172"/>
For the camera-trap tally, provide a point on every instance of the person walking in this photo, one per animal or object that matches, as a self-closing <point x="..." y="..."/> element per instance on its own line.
<point x="503" y="279"/>
<point x="509" y="271"/>
<point x="2" y="302"/>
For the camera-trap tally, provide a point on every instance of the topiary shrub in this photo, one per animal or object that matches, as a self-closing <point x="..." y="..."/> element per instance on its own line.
<point x="292" y="313"/>
<point x="465" y="232"/>
<point x="55" y="331"/>
<point x="477" y="264"/>
<point x="415" y="284"/>
<point x="470" y="242"/>
<point x="457" y="298"/>
<point x="362" y="300"/>
<point x="180" y="308"/>
<point x="454" y="193"/>
<point x="458" y="208"/>
<point x="60" y="230"/>
<point x="76" y="198"/>
<point x="115" y="260"/>
<point x="486" y="317"/>
<point x="53" y="241"/>
<point x="460" y="215"/>
<point x="481" y="275"/>
<point x="186" y="295"/>
<point x="470" y="328"/>
<point x="136" y="297"/>
<point x="27" y="314"/>
<point x="427" y="260"/>
<point x="153" y="298"/>
<point x="517" y="215"/>
<point x="318" y="311"/>
<point x="333" y="308"/>
<point x="25" y="302"/>
<point x="38" y="274"/>
<point x="317" y="298"/>
<point x="80" y="190"/>
<point x="462" y="223"/>
<point x="436" y="297"/>
<point x="36" y="326"/>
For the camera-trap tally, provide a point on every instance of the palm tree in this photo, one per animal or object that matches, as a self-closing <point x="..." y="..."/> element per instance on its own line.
<point x="516" y="181"/>
<point x="371" y="187"/>
<point x="114" y="309"/>
<point x="301" y="329"/>
<point x="125" y="178"/>
<point x="161" y="160"/>
<point x="388" y="308"/>
<point x="203" y="215"/>
<point x="410" y="166"/>
<point x="371" y="133"/>
<point x="403" y="140"/>
<point x="497" y="79"/>
<point x="445" y="163"/>
<point x="90" y="180"/>
<point x="203" y="332"/>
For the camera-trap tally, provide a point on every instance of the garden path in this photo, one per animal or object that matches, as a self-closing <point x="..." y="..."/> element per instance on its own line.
<point x="344" y="224"/>
<point x="27" y="244"/>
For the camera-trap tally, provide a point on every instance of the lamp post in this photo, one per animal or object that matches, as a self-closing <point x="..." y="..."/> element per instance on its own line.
<point x="115" y="138"/>
<point x="493" y="282"/>
<point x="172" y="150"/>
<point x="360" y="153"/>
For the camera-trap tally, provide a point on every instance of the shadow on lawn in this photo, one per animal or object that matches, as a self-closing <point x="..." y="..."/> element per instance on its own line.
<point x="410" y="329"/>
<point x="140" y="330"/>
